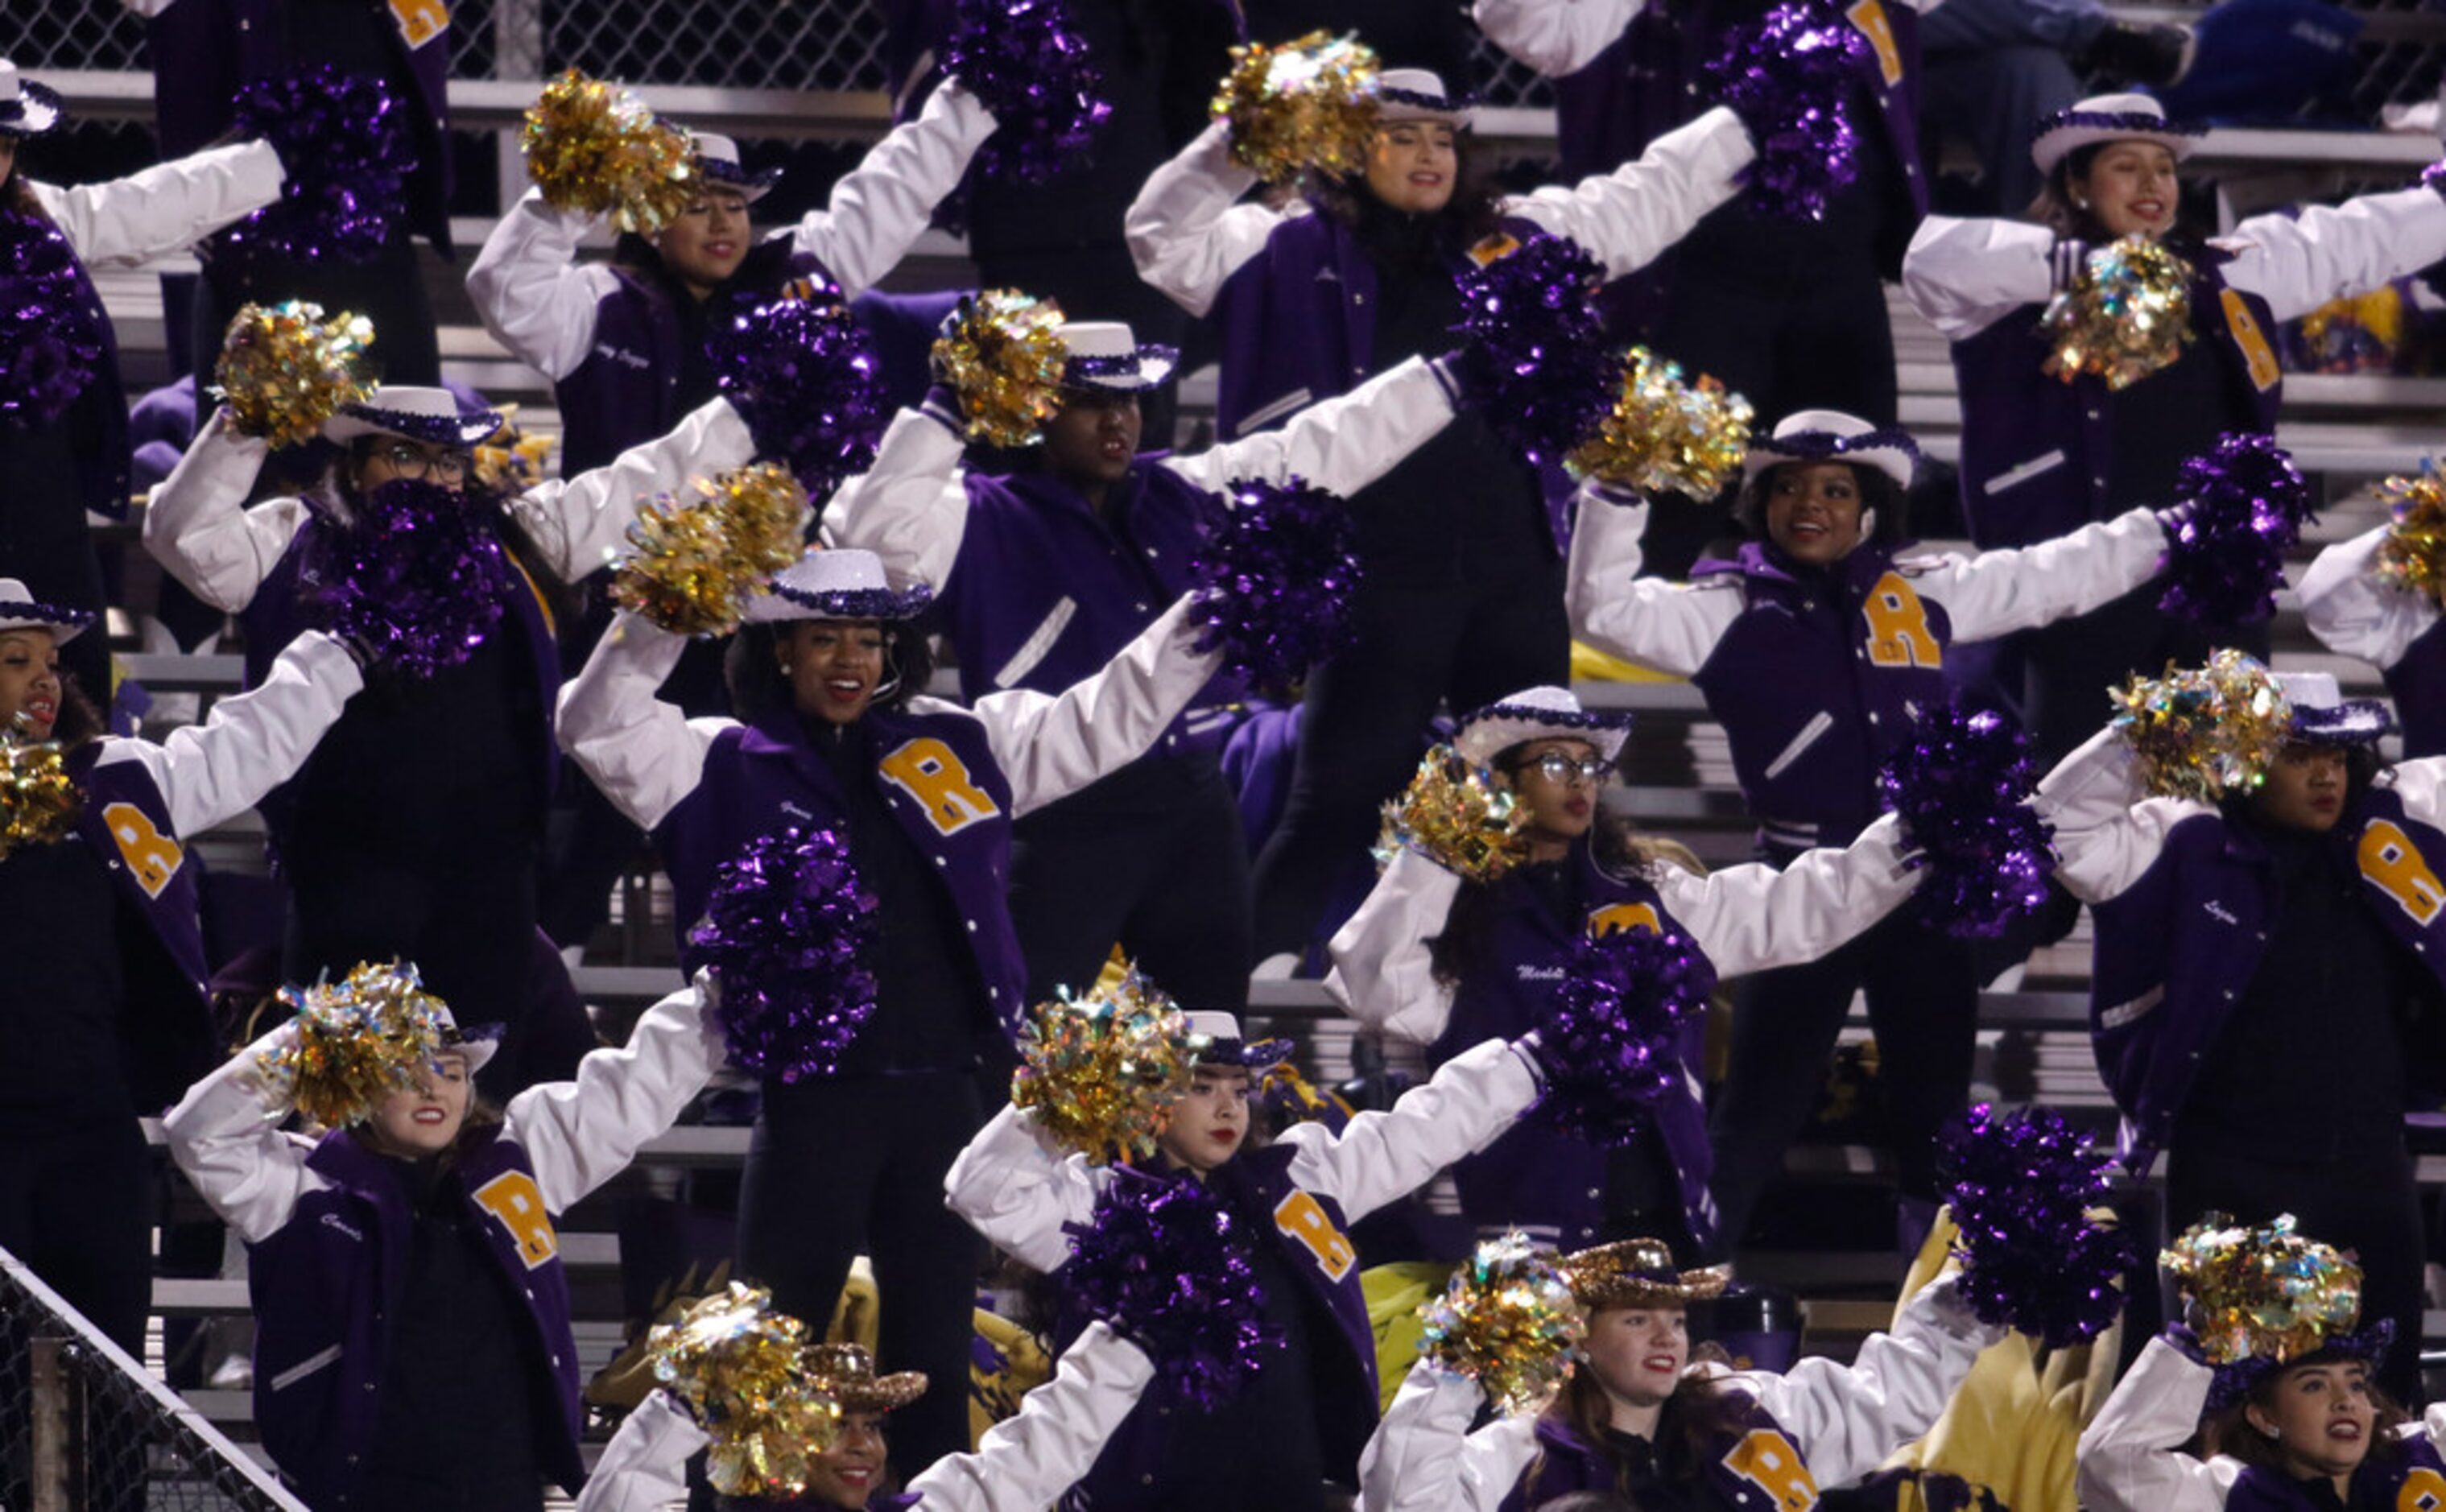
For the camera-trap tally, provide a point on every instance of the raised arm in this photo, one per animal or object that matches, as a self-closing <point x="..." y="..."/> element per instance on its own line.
<point x="909" y="507"/>
<point x="1050" y="746"/>
<point x="2421" y="786"/>
<point x="1382" y="973"/>
<point x="879" y="208"/>
<point x="1423" y="1458"/>
<point x="1845" y="1419"/>
<point x="643" y="754"/>
<point x="197" y="524"/>
<point x="1018" y="1190"/>
<point x="1024" y="1464"/>
<point x="1381" y="1157"/>
<point x="1343" y="444"/>
<point x="1752" y="917"/>
<point x="1670" y="627"/>
<point x="1556" y="37"/>
<point x="2354" y="613"/>
<point x="254" y="741"/>
<point x="1186" y="230"/>
<point x="2132" y="1457"/>
<point x="1965" y="275"/>
<point x="225" y="1135"/>
<point x="530" y="290"/>
<point x="165" y="207"/>
<point x="580" y="1133"/>
<point x="2328" y="252"/>
<point x="2107" y="835"/>
<point x="1998" y="592"/>
<point x="1629" y="217"/>
<point x="645" y="1466"/>
<point x="580" y="523"/>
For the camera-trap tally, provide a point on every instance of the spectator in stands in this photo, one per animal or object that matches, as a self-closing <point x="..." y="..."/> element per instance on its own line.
<point x="2300" y="1425"/>
<point x="1047" y="573"/>
<point x="205" y="51"/>
<point x="1302" y="1419"/>
<point x="412" y="1331"/>
<point x="1641" y="1417"/>
<point x="2354" y="613"/>
<point x="2042" y="456"/>
<point x="833" y="729"/>
<point x="2265" y="993"/>
<point x="1021" y="1465"/>
<point x="1814" y="648"/>
<point x="1444" y="963"/>
<point x="104" y="994"/>
<point x="415" y="831"/>
<point x="1463" y="598"/>
<point x="61" y="466"/>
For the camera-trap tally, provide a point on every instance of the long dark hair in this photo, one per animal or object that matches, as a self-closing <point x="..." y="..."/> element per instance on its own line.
<point x="1701" y="1414"/>
<point x="1877" y="491"/>
<point x="2228" y="1430"/>
<point x="752" y="670"/>
<point x="1473" y="212"/>
<point x="2055" y="209"/>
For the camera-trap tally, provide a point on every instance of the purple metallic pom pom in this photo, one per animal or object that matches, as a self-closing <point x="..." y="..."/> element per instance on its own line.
<point x="343" y="142"/>
<point x="416" y="580"/>
<point x="2244" y="507"/>
<point x="1789" y="75"/>
<point x="805" y="378"/>
<point x="50" y="341"/>
<point x="1275" y="582"/>
<point x="2434" y="178"/>
<point x="1959" y="786"/>
<point x="787" y="933"/>
<point x="2020" y="1188"/>
<point x="1612" y="1043"/>
<point x="1027" y="62"/>
<point x="1551" y="376"/>
<point x="1168" y="1264"/>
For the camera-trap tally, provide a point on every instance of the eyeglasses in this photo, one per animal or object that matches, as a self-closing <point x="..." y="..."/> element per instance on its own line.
<point x="1556" y="767"/>
<point x="415" y="462"/>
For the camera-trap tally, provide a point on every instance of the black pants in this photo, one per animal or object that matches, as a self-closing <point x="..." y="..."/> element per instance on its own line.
<point x="842" y="1168"/>
<point x="1418" y="644"/>
<point x="1171" y="888"/>
<point x="2070" y="666"/>
<point x="389" y="289"/>
<point x="2368" y="1204"/>
<point x="77" y="1206"/>
<point x="1923" y="1009"/>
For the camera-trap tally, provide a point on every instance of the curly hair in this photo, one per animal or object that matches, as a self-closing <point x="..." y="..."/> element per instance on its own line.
<point x="1878" y="492"/>
<point x="752" y="670"/>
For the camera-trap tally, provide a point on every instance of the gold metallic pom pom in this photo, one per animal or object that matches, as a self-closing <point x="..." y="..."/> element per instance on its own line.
<point x="1101" y="1071"/>
<point x="1507" y="1321"/>
<point x="1003" y="351"/>
<point x="2265" y="1293"/>
<point x="1296" y="107"/>
<point x="2412" y="556"/>
<point x="698" y="562"/>
<point x="596" y="148"/>
<point x="358" y="1040"/>
<point x="1457" y="816"/>
<point x="2206" y="732"/>
<point x="740" y="1367"/>
<point x="285" y="369"/>
<point x="39" y="801"/>
<point x="2127" y="314"/>
<point x="1665" y="434"/>
<point x="510" y="461"/>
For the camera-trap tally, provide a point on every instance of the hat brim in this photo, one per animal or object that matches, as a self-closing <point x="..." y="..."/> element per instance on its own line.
<point x="476" y="1044"/>
<point x="1496" y="728"/>
<point x="1895" y="462"/>
<point x="1254" y="1055"/>
<point x="2066" y="134"/>
<point x="2231" y="1383"/>
<point x="25" y="614"/>
<point x="786" y="604"/>
<point x="882" y="1393"/>
<point x="1150" y="367"/>
<point x="463" y="429"/>
<point x="2354" y="722"/>
<point x="1393" y="107"/>
<point x="1684" y="1287"/>
<point x="751" y="186"/>
<point x="40" y="111"/>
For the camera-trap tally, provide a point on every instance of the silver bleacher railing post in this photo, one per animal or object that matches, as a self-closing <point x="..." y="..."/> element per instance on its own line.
<point x="51" y="1390"/>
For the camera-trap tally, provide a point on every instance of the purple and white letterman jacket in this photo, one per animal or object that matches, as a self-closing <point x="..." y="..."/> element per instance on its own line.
<point x="2393" y="630"/>
<point x="1295" y="297"/>
<point x="2036" y="450"/>
<point x="1824" y="1424"/>
<point x="327" y="1227"/>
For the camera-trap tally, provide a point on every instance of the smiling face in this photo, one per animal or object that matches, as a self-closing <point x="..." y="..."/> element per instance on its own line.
<point x="833" y="666"/>
<point x="1413" y="166"/>
<point x="847" y="1474"/>
<point x="708" y="241"/>
<point x="2306" y="789"/>
<point x="1210" y="1122"/>
<point x="1638" y="1353"/>
<point x="2321" y="1417"/>
<point x="1091" y="441"/>
<point x="2130" y="187"/>
<point x="1561" y="804"/>
<point x="1814" y="511"/>
<point x="30" y="682"/>
<point x="424" y="1121"/>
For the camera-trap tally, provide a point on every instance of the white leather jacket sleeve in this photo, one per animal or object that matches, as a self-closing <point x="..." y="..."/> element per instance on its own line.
<point x="1752" y="918"/>
<point x="1378" y="1158"/>
<point x="1018" y="1189"/>
<point x="2354" y="613"/>
<point x="1670" y="627"/>
<point x="211" y="773"/>
<point x="198" y="527"/>
<point x="1341" y="444"/>
<point x="643" y="754"/>
<point x="1383" y="974"/>
<point x="1995" y="593"/>
<point x="225" y="1135"/>
<point x="580" y="1133"/>
<point x="1556" y="37"/>
<point x="2132" y="1457"/>
<point x="1423" y="1458"/>
<point x="1629" y="217"/>
<point x="163" y="208"/>
<point x="532" y="292"/>
<point x="1187" y="232"/>
<point x="879" y="208"/>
